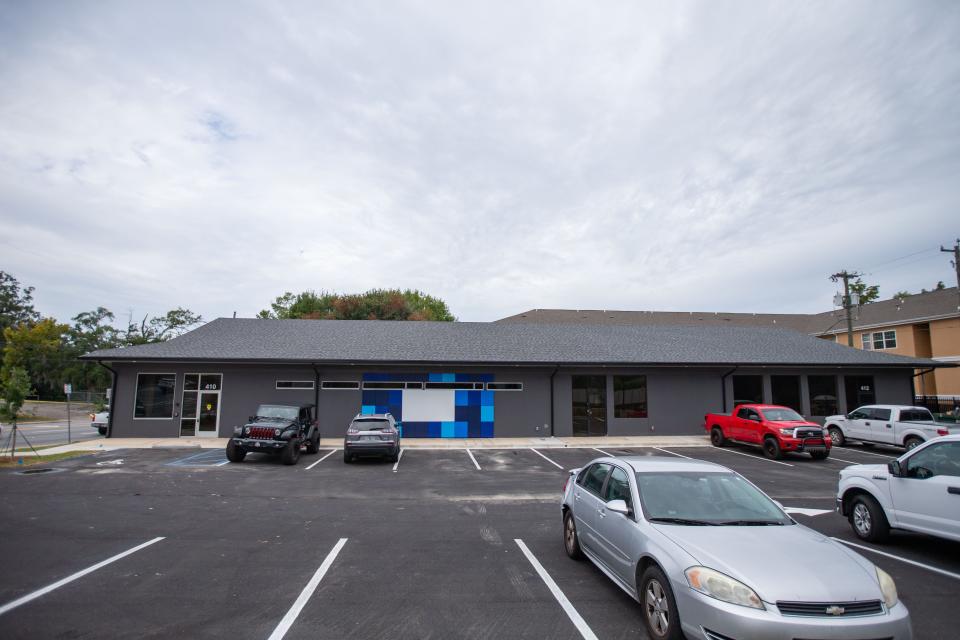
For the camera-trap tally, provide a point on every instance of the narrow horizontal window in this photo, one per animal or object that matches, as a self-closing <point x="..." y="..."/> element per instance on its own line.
<point x="504" y="386"/>
<point x="413" y="385"/>
<point x="294" y="384"/>
<point x="382" y="385"/>
<point x="339" y="385"/>
<point x="460" y="386"/>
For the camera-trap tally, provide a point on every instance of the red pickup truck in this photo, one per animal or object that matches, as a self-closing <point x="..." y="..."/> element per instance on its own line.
<point x="775" y="429"/>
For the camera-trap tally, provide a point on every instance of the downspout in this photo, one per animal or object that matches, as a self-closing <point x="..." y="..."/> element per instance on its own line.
<point x="552" y="375"/>
<point x="113" y="396"/>
<point x="723" y="386"/>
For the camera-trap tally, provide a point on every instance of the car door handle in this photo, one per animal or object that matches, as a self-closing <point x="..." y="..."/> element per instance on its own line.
<point x="889" y="426"/>
<point x="954" y="490"/>
<point x="867" y="423"/>
<point x="576" y="496"/>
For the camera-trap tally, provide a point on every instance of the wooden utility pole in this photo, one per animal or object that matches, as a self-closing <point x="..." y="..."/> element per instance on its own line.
<point x="956" y="264"/>
<point x="847" y="304"/>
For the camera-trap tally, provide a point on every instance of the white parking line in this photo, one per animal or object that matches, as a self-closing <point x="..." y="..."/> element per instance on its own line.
<point x="79" y="574"/>
<point x="568" y="608"/>
<point x="833" y="458"/>
<point x="673" y="453"/>
<point x="870" y="453"/>
<point x="308" y="590"/>
<point x="950" y="574"/>
<point x="546" y="458"/>
<point x="741" y="453"/>
<point x="321" y="460"/>
<point x="397" y="463"/>
<point x="603" y="452"/>
<point x="470" y="453"/>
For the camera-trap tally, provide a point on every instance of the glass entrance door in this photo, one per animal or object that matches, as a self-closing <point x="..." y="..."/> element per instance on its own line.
<point x="589" y="405"/>
<point x="200" y="405"/>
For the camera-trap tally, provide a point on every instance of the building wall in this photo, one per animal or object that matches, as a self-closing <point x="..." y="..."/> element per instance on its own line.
<point x="945" y="344"/>
<point x="677" y="398"/>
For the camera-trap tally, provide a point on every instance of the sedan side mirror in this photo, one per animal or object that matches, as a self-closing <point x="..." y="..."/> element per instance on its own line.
<point x="894" y="468"/>
<point x="618" y="506"/>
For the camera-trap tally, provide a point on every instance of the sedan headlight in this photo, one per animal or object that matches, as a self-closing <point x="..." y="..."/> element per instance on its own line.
<point x="722" y="587"/>
<point x="888" y="588"/>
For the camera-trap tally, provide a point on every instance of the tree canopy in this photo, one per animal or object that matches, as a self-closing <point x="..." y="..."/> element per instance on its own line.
<point x="376" y="304"/>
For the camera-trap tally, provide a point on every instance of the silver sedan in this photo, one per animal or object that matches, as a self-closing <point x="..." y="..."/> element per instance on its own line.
<point x="708" y="555"/>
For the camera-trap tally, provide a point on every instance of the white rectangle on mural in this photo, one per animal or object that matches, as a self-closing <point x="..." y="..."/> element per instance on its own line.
<point x="429" y="405"/>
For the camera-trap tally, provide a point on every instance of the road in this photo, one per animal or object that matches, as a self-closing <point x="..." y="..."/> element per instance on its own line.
<point x="45" y="434"/>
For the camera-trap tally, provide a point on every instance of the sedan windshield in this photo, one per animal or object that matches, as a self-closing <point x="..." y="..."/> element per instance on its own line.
<point x="782" y="415"/>
<point x="704" y="498"/>
<point x="277" y="411"/>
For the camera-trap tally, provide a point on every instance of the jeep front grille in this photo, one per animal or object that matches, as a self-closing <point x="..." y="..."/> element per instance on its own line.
<point x="263" y="433"/>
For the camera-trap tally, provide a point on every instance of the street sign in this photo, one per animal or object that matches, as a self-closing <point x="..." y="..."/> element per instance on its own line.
<point x="68" y="388"/>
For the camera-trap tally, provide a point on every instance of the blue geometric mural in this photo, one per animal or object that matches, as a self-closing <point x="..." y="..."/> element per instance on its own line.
<point x="472" y="410"/>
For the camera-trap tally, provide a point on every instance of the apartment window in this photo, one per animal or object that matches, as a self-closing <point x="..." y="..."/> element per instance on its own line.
<point x="879" y="340"/>
<point x="785" y="391"/>
<point x="154" y="398"/>
<point x="823" y="395"/>
<point x="460" y="386"/>
<point x="340" y="385"/>
<point x="504" y="386"/>
<point x="629" y="396"/>
<point x="747" y="390"/>
<point x="382" y="385"/>
<point x="294" y="384"/>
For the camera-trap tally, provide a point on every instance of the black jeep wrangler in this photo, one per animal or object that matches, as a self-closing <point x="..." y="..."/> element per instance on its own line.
<point x="276" y="428"/>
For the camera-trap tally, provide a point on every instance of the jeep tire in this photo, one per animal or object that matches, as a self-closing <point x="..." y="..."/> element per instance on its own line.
<point x="313" y="444"/>
<point x="235" y="453"/>
<point x="291" y="452"/>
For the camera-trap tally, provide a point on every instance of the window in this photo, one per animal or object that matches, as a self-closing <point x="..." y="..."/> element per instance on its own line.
<point x="879" y="414"/>
<point x="786" y="391"/>
<point x="879" y="340"/>
<point x="748" y="414"/>
<point x="823" y="395"/>
<point x="618" y="487"/>
<point x="942" y="459"/>
<point x="339" y="385"/>
<point x="916" y="415"/>
<point x="154" y="399"/>
<point x="504" y="386"/>
<point x="594" y="477"/>
<point x="468" y="386"/>
<point x="382" y="385"/>
<point x="629" y="396"/>
<point x="747" y="390"/>
<point x="294" y="384"/>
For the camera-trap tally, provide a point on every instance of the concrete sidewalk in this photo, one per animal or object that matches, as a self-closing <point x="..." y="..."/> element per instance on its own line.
<point x="114" y="444"/>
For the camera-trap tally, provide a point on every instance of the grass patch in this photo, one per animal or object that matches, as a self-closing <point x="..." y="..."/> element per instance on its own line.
<point x="28" y="461"/>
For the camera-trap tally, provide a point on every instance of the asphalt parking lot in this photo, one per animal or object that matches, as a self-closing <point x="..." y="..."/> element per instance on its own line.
<point x="425" y="548"/>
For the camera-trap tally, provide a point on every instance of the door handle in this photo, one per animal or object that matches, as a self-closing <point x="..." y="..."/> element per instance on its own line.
<point x="889" y="426"/>
<point x="867" y="423"/>
<point x="953" y="490"/>
<point x="576" y="496"/>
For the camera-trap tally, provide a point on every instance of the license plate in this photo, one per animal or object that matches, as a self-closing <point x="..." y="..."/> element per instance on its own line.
<point x="369" y="437"/>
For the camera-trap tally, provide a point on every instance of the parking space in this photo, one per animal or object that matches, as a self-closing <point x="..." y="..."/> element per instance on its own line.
<point x="430" y="548"/>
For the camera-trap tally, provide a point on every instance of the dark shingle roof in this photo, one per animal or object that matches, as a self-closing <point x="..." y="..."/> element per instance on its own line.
<point x="329" y="341"/>
<point x="913" y="308"/>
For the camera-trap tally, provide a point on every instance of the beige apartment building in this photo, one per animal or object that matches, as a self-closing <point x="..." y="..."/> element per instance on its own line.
<point x="922" y="325"/>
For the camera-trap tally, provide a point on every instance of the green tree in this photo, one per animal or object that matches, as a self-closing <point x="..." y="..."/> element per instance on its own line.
<point x="161" y="328"/>
<point x="16" y="305"/>
<point x="91" y="330"/>
<point x="39" y="349"/>
<point x="867" y="293"/>
<point x="376" y="304"/>
<point x="901" y="294"/>
<point x="15" y="388"/>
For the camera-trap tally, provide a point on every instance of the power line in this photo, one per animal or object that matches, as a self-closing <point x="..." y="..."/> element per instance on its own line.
<point x="909" y="255"/>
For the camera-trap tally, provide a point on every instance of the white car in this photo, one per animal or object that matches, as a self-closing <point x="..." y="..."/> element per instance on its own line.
<point x="919" y="491"/>
<point x="100" y="421"/>
<point x="899" y="425"/>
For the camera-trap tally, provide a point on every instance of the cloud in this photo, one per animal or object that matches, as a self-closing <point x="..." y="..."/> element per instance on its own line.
<point x="505" y="156"/>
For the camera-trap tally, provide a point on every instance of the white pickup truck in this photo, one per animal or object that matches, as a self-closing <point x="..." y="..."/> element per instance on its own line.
<point x="919" y="491"/>
<point x="898" y="425"/>
<point x="100" y="421"/>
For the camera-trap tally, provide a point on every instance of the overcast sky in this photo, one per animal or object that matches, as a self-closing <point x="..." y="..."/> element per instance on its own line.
<point x="722" y="156"/>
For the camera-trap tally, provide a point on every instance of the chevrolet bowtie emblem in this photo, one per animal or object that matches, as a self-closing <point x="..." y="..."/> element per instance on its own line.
<point x="834" y="610"/>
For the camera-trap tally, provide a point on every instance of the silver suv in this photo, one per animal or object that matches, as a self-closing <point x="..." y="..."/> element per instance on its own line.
<point x="374" y="434"/>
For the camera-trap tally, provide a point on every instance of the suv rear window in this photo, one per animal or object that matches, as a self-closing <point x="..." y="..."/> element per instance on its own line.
<point x="371" y="424"/>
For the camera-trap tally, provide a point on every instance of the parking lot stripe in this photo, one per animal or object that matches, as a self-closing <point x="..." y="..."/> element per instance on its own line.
<point x="546" y="458"/>
<point x="741" y="453"/>
<point x="321" y="460"/>
<point x="470" y="453"/>
<point x="397" y="463"/>
<point x="955" y="576"/>
<point x="673" y="453"/>
<point x="79" y="574"/>
<point x="836" y="459"/>
<point x="603" y="452"/>
<point x="568" y="607"/>
<point x="308" y="590"/>
<point x="871" y="453"/>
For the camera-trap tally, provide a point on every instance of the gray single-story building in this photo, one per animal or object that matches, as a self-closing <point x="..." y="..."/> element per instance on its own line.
<point x="477" y="380"/>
